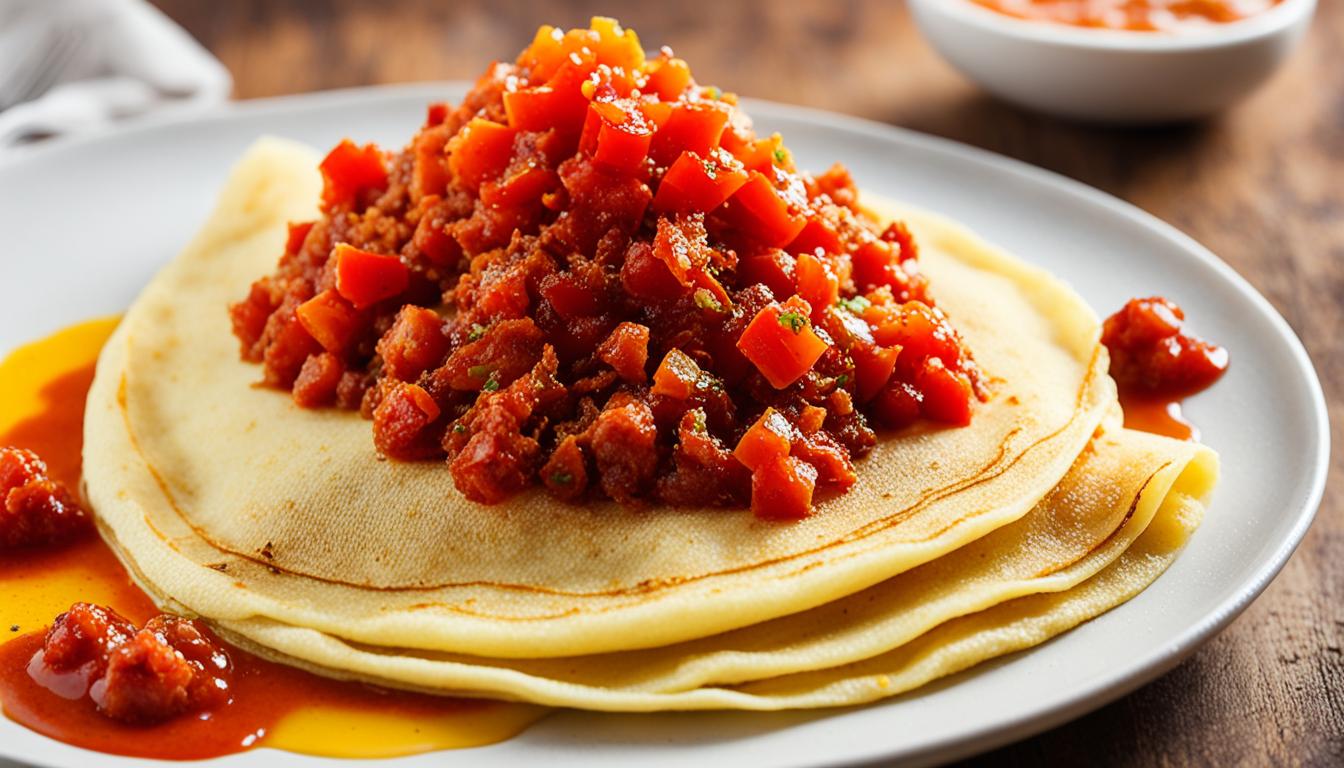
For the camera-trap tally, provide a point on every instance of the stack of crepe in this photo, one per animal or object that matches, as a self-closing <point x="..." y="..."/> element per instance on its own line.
<point x="285" y="530"/>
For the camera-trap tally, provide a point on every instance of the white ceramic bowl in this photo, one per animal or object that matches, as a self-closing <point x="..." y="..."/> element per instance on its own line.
<point x="1108" y="75"/>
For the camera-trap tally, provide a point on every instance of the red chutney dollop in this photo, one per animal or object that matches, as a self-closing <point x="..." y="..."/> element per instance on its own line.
<point x="594" y="276"/>
<point x="1153" y="354"/>
<point x="1133" y="15"/>
<point x="168" y="668"/>
<point x="34" y="509"/>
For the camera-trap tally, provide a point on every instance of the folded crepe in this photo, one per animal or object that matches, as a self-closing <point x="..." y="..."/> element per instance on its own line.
<point x="284" y="529"/>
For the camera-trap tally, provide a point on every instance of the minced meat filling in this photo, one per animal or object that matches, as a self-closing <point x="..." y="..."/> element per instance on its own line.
<point x="593" y="276"/>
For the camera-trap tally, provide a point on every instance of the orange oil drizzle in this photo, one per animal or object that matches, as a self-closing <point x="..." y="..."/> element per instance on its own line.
<point x="1159" y="415"/>
<point x="42" y="391"/>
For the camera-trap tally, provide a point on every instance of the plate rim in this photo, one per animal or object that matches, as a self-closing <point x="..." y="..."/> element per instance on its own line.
<point x="1000" y="729"/>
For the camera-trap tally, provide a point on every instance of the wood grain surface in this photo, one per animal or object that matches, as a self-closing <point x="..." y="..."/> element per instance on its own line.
<point x="1262" y="185"/>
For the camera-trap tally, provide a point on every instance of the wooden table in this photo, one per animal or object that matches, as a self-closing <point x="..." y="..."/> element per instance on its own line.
<point x="1262" y="185"/>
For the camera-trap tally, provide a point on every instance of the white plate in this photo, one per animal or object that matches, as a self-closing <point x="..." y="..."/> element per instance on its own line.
<point x="98" y="217"/>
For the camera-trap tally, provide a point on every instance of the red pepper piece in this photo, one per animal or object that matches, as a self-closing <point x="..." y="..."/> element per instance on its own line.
<point x="330" y="320"/>
<point x="696" y="183"/>
<point x="676" y="376"/>
<point x="297" y="234"/>
<point x="780" y="342"/>
<point x="947" y="394"/>
<point x="764" y="441"/>
<point x="759" y="210"/>
<point x="366" y="278"/>
<point x="618" y="135"/>
<point x="480" y="151"/>
<point x="348" y="170"/>
<point x="816" y="283"/>
<point x="781" y="489"/>
<point x="873" y="366"/>
<point x="691" y="127"/>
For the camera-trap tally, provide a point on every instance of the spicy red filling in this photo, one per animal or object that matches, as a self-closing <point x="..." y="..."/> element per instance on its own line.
<point x="34" y="509"/>
<point x="594" y="276"/>
<point x="1152" y="353"/>
<point x="169" y="667"/>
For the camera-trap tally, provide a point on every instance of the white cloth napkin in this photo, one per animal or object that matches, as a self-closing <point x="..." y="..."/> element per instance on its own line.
<point x="78" y="65"/>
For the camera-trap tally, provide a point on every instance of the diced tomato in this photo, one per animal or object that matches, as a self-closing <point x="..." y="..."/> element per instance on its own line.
<point x="559" y="104"/>
<point x="480" y="151"/>
<point x="922" y="331"/>
<point x="760" y="212"/>
<point x="348" y="170"/>
<point x="617" y="46"/>
<point x="695" y="183"/>
<point x="947" y="394"/>
<point x="676" y="376"/>
<point x="691" y="127"/>
<point x="520" y="188"/>
<point x="401" y="420"/>
<point x="618" y="135"/>
<point x="645" y="276"/>
<point x="873" y="366"/>
<point x="764" y="441"/>
<point x="414" y="344"/>
<point x="811" y="418"/>
<point x="760" y="155"/>
<point x="436" y="114"/>
<point x="816" y="234"/>
<point x="668" y="77"/>
<point x="781" y="489"/>
<point x="897" y="406"/>
<point x="545" y="54"/>
<point x="626" y="350"/>
<point x="878" y="264"/>
<point x="816" y="283"/>
<point x="780" y="342"/>
<point x="569" y="296"/>
<point x="297" y="234"/>
<point x="772" y="267"/>
<point x="898" y="234"/>
<point x="825" y="455"/>
<point x="330" y="320"/>
<point x="366" y="278"/>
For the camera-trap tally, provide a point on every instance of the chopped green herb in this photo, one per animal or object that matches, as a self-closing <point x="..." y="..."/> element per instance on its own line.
<point x="705" y="300"/>
<point x="856" y="304"/>
<point x="714" y="93"/>
<point x="459" y="429"/>
<point x="794" y="321"/>
<point x="477" y="331"/>
<point x="490" y="384"/>
<point x="699" y="421"/>
<point x="781" y="155"/>
<point x="562" y="478"/>
<point x="842" y="380"/>
<point x="711" y="168"/>
<point x="478" y="371"/>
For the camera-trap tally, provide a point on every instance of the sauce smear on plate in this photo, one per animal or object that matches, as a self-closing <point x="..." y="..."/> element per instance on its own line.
<point x="1156" y="363"/>
<point x="43" y="388"/>
<point x="1132" y="15"/>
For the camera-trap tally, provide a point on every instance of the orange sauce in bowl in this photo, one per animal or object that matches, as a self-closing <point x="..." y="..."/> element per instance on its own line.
<point x="42" y="392"/>
<point x="1132" y="15"/>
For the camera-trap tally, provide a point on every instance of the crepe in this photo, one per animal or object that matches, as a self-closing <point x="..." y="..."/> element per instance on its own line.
<point x="236" y="504"/>
<point x="1116" y="521"/>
